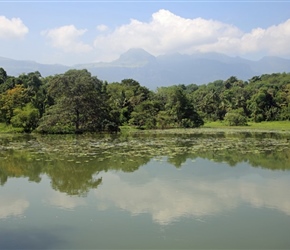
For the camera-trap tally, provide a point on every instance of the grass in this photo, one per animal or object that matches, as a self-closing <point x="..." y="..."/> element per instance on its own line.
<point x="9" y="129"/>
<point x="127" y="128"/>
<point x="271" y="125"/>
<point x="211" y="127"/>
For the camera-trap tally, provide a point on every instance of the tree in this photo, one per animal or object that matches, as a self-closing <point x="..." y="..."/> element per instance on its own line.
<point x="125" y="96"/>
<point x="235" y="118"/>
<point x="207" y="100"/>
<point x="230" y="82"/>
<point x="26" y="118"/>
<point x="262" y="106"/>
<point x="3" y="75"/>
<point x="36" y="90"/>
<point x="80" y="103"/>
<point x="145" y="114"/>
<point x="10" y="100"/>
<point x="178" y="110"/>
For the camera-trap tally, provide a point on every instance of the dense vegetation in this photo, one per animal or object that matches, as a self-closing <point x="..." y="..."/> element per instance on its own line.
<point x="76" y="102"/>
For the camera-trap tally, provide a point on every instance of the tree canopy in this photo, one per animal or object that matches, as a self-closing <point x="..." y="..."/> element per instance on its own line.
<point x="77" y="102"/>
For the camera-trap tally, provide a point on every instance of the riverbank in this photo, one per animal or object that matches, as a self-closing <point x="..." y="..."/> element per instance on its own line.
<point x="280" y="129"/>
<point x="270" y="125"/>
<point x="209" y="127"/>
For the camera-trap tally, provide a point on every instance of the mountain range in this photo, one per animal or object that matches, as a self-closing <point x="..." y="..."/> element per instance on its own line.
<point x="164" y="70"/>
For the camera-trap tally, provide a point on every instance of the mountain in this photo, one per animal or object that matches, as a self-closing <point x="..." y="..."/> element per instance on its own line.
<point x="134" y="58"/>
<point x="198" y="68"/>
<point x="165" y="70"/>
<point x="17" y="67"/>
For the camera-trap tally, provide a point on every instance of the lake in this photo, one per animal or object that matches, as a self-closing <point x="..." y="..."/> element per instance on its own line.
<point x="199" y="190"/>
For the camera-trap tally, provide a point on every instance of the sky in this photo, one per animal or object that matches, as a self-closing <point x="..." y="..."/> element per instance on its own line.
<point x="75" y="32"/>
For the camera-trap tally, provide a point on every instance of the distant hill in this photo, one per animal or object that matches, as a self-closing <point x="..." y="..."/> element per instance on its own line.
<point x="17" y="67"/>
<point x="164" y="70"/>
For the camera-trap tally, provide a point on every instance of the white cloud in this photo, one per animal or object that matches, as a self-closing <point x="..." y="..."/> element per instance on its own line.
<point x="67" y="39"/>
<point x="102" y="27"/>
<point x="64" y="201"/>
<point x="13" y="28"/>
<point x="271" y="41"/>
<point x="163" y="200"/>
<point x="11" y="206"/>
<point x="168" y="201"/>
<point x="168" y="33"/>
<point x="275" y="39"/>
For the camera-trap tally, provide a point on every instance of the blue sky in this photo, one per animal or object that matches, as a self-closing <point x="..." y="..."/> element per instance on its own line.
<point x="72" y="32"/>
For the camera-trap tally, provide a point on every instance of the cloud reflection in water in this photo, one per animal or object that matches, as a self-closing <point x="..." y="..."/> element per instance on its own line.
<point x="168" y="201"/>
<point x="63" y="200"/>
<point x="12" y="206"/>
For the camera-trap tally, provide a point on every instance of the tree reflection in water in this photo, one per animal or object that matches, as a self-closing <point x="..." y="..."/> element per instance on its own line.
<point x="75" y="163"/>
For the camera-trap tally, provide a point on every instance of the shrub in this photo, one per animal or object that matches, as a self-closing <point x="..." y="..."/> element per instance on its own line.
<point x="26" y="118"/>
<point x="235" y="118"/>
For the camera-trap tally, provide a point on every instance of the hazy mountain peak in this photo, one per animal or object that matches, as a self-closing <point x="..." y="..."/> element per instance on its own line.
<point x="137" y="52"/>
<point x="163" y="70"/>
<point x="134" y="57"/>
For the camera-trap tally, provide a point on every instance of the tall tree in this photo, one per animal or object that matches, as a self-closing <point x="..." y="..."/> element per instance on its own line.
<point x="125" y="96"/>
<point x="3" y="75"/>
<point x="10" y="100"/>
<point x="79" y="103"/>
<point x="177" y="108"/>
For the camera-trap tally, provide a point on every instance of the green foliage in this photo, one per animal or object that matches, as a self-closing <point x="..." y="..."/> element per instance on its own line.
<point x="26" y="118"/>
<point x="262" y="106"/>
<point x="164" y="120"/>
<point x="4" y="128"/>
<point x="235" y="118"/>
<point x="124" y="97"/>
<point x="77" y="102"/>
<point x="253" y="126"/>
<point x="74" y="163"/>
<point x="3" y="75"/>
<point x="56" y="120"/>
<point x="144" y="114"/>
<point x="80" y="104"/>
<point x="177" y="109"/>
<point x="263" y="98"/>
<point x="10" y="100"/>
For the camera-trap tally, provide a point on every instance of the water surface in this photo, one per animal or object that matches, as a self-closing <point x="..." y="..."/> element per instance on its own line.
<point x="213" y="191"/>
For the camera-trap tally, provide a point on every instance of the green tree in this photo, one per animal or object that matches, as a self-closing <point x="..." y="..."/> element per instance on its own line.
<point x="178" y="110"/>
<point x="235" y="118"/>
<point x="125" y="96"/>
<point x="145" y="114"/>
<point x="262" y="106"/>
<point x="207" y="100"/>
<point x="26" y="118"/>
<point x="80" y="104"/>
<point x="10" y="100"/>
<point x="3" y="75"/>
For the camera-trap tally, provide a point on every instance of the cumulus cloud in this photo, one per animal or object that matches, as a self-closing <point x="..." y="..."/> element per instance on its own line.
<point x="12" y="206"/>
<point x="168" y="33"/>
<point x="274" y="39"/>
<point x="102" y="27"/>
<point x="13" y="28"/>
<point x="271" y="41"/>
<point x="67" y="39"/>
<point x="168" y="201"/>
<point x="64" y="201"/>
<point x="165" y="201"/>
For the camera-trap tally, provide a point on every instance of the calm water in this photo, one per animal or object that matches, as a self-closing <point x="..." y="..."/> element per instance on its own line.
<point x="213" y="191"/>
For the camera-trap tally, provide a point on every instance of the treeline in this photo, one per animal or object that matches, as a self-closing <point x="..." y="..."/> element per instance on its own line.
<point x="76" y="102"/>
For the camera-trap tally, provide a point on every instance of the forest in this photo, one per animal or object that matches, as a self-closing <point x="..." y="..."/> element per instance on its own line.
<point x="77" y="102"/>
